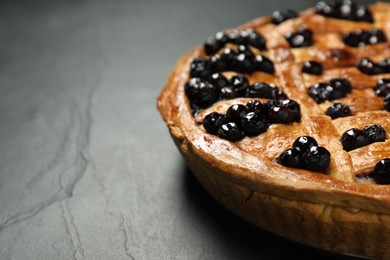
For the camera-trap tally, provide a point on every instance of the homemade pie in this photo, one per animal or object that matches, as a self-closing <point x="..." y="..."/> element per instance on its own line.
<point x="285" y="121"/>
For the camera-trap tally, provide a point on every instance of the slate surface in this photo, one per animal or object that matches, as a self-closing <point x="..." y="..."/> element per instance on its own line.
<point x="87" y="167"/>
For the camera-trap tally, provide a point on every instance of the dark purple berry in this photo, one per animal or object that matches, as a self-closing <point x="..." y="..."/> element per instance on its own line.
<point x="219" y="80"/>
<point x="262" y="63"/>
<point x="228" y="57"/>
<point x="385" y="65"/>
<point x="230" y="131"/>
<point x="316" y="158"/>
<point x="382" y="87"/>
<point x="240" y="83"/>
<point x="228" y="92"/>
<point x="381" y="172"/>
<point x="312" y="67"/>
<point x="208" y="94"/>
<point x="192" y="87"/>
<point x="345" y="9"/>
<point x="387" y="102"/>
<point x="320" y="92"/>
<point x="254" y="39"/>
<point x="213" y="121"/>
<point x="303" y="143"/>
<point x="235" y="113"/>
<point x="263" y="90"/>
<point x="343" y="84"/>
<point x="214" y="43"/>
<point x="283" y="111"/>
<point x="243" y="60"/>
<point x="361" y="38"/>
<point x="374" y="133"/>
<point x="301" y="38"/>
<point x="362" y="14"/>
<point x="369" y="67"/>
<point x="200" y="68"/>
<point x="217" y="64"/>
<point x="353" y="138"/>
<point x="290" y="158"/>
<point x="235" y="37"/>
<point x="254" y="105"/>
<point x="254" y="123"/>
<point x="279" y="17"/>
<point x="337" y="110"/>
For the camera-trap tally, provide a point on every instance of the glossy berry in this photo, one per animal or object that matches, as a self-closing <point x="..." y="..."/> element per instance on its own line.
<point x="312" y="67"/>
<point x="240" y="83"/>
<point x="254" y="123"/>
<point x="235" y="37"/>
<point x="344" y="9"/>
<point x="214" y="43"/>
<point x="243" y="60"/>
<point x="262" y="63"/>
<point x="353" y="138"/>
<point x="228" y="92"/>
<point x="316" y="158"/>
<point x="208" y="94"/>
<point x="213" y="121"/>
<point x="341" y="83"/>
<point x="230" y="131"/>
<point x="381" y="172"/>
<point x="227" y="57"/>
<point x="217" y="64"/>
<point x="304" y="142"/>
<point x="235" y="113"/>
<point x="361" y="38"/>
<point x="279" y="17"/>
<point x="386" y="103"/>
<point x="254" y="105"/>
<point x="382" y="87"/>
<point x="191" y="88"/>
<point x="301" y="38"/>
<point x="320" y="92"/>
<point x="254" y="39"/>
<point x="337" y="110"/>
<point x="374" y="133"/>
<point x="219" y="80"/>
<point x="264" y="90"/>
<point x="200" y="68"/>
<point x="290" y="157"/>
<point x="283" y="111"/>
<point x="369" y="67"/>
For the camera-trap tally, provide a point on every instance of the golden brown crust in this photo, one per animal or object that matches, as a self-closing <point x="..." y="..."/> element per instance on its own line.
<point x="244" y="175"/>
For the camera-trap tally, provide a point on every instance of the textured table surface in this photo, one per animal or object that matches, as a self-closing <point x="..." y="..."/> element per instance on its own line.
<point x="87" y="167"/>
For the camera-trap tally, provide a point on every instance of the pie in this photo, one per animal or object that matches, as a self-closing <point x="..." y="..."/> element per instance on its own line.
<point x="285" y="121"/>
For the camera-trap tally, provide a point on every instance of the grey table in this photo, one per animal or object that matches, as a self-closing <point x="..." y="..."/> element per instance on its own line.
<point x="87" y="167"/>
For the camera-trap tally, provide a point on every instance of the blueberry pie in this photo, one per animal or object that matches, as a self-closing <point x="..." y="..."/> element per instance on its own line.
<point x="286" y="121"/>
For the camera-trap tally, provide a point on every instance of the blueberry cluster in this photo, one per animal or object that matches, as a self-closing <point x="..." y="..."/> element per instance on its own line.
<point x="355" y="138"/>
<point x="279" y="17"/>
<point x="369" y="67"/>
<point x="337" y="110"/>
<point x="382" y="89"/>
<point x="245" y="37"/>
<point x="251" y="119"/>
<point x="361" y="38"/>
<point x="312" y="67"/>
<point x="381" y="172"/>
<point x="303" y="37"/>
<point x="335" y="89"/>
<point x="344" y="9"/>
<point x="305" y="154"/>
<point x="203" y="93"/>
<point x="241" y="60"/>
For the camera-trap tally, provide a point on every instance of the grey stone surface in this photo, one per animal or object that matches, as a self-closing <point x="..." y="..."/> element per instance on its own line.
<point x="87" y="167"/>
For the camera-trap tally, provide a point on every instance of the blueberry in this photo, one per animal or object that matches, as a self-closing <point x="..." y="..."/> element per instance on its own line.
<point x="219" y="80"/>
<point x="208" y="94"/>
<point x="346" y="9"/>
<point x="191" y="88"/>
<point x="230" y="131"/>
<point x="214" y="43"/>
<point x="228" y="92"/>
<point x="301" y="38"/>
<point x="254" y="39"/>
<point x="227" y="57"/>
<point x="368" y="67"/>
<point x="324" y="8"/>
<point x="387" y="102"/>
<point x="385" y="65"/>
<point x="374" y="133"/>
<point x="262" y="63"/>
<point x="343" y="84"/>
<point x="254" y="123"/>
<point x="316" y="158"/>
<point x="235" y="37"/>
<point x="201" y="68"/>
<point x="213" y="121"/>
<point x="364" y="37"/>
<point x="381" y="172"/>
<point x="243" y="61"/>
<point x="264" y="90"/>
<point x="240" y="83"/>
<point x="218" y="64"/>
<point x="290" y="158"/>
<point x="382" y="87"/>
<point x="363" y="14"/>
<point x="312" y="67"/>
<point x="235" y="113"/>
<point x="283" y="111"/>
<point x="279" y="17"/>
<point x="254" y="105"/>
<point x="337" y="110"/>
<point x="353" y="138"/>
<point x="320" y="92"/>
<point x="304" y="142"/>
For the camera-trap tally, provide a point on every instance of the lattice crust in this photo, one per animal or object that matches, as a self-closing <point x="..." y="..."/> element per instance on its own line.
<point x="339" y="61"/>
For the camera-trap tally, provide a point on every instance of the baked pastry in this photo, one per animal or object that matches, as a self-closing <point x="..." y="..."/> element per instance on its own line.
<point x="285" y="121"/>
